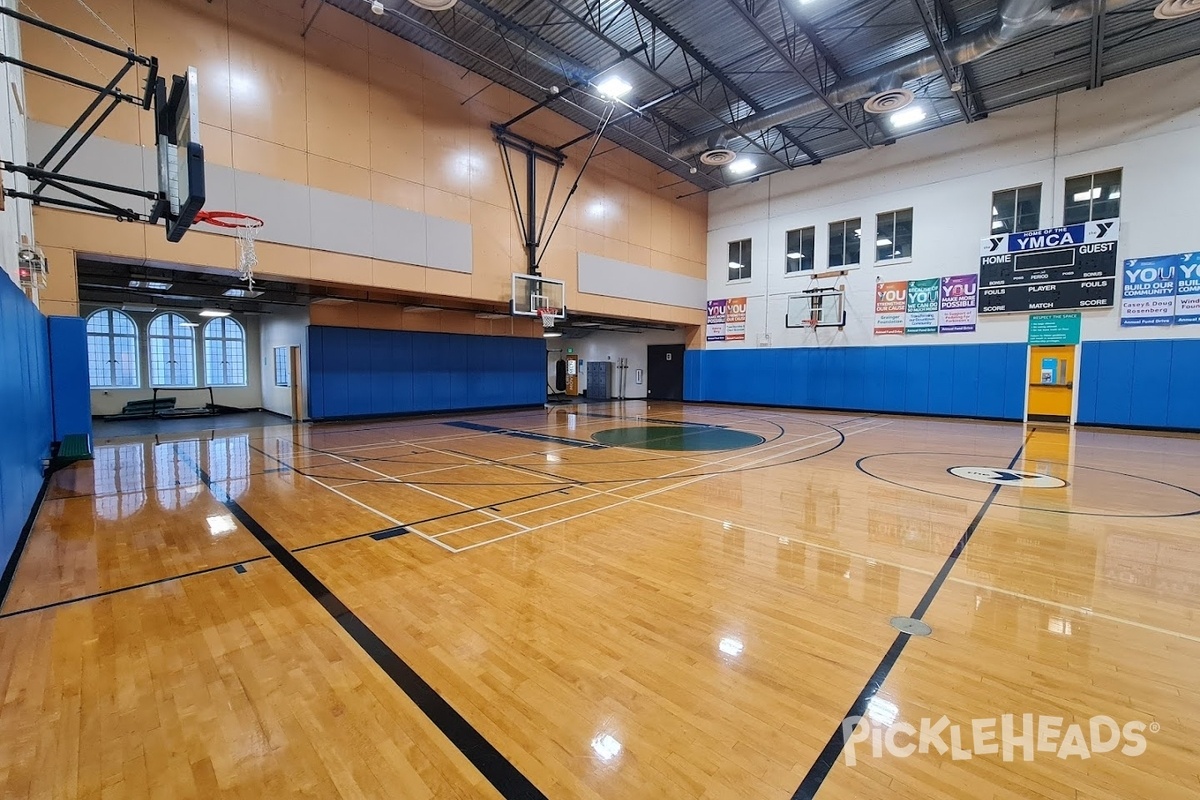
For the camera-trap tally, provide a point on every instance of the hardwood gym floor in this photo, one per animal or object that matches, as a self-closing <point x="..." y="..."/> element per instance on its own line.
<point x="501" y="605"/>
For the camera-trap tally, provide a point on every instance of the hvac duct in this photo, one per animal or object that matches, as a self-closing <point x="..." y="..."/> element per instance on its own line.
<point x="1014" y="19"/>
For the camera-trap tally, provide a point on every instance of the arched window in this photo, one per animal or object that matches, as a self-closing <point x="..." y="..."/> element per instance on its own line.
<point x="120" y="480"/>
<point x="112" y="345"/>
<point x="172" y="351"/>
<point x="224" y="353"/>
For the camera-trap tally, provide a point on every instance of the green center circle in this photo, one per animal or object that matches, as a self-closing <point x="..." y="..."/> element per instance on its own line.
<point x="677" y="437"/>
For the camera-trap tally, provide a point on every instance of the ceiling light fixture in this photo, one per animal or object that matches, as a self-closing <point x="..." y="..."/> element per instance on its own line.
<point x="190" y="324"/>
<point x="244" y="294"/>
<point x="741" y="166"/>
<point x="377" y="8"/>
<point x="551" y="334"/>
<point x="215" y="312"/>
<point x="883" y="241"/>
<point x="795" y="255"/>
<point x="907" y="117"/>
<point x="614" y="87"/>
<point x="155" y="286"/>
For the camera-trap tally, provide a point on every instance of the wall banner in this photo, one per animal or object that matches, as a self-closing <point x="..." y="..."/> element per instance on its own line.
<point x="1148" y="291"/>
<point x="1071" y="267"/>
<point x="1187" y="290"/>
<point x="715" y="328"/>
<point x="891" y="306"/>
<point x="923" y="304"/>
<point x="735" y="319"/>
<point x="960" y="304"/>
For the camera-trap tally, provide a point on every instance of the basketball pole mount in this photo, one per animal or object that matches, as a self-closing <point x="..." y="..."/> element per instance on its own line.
<point x="47" y="176"/>
<point x="536" y="241"/>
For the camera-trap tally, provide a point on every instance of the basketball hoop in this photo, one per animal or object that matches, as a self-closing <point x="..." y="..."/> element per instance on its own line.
<point x="547" y="315"/>
<point x="246" y="228"/>
<point x="811" y="323"/>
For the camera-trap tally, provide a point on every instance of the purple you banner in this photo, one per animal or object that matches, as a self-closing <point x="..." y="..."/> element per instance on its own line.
<point x="960" y="304"/>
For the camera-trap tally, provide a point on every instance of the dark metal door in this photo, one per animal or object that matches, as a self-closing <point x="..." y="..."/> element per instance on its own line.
<point x="664" y="372"/>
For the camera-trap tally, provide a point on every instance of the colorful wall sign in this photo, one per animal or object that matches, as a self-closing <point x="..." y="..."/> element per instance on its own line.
<point x="891" y="308"/>
<point x="726" y="320"/>
<point x="932" y="305"/>
<point x="1162" y="290"/>
<point x="1054" y="329"/>
<point x="960" y="304"/>
<point x="923" y="297"/>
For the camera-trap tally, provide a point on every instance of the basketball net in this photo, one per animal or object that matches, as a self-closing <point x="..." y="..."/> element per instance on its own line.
<point x="245" y="228"/>
<point x="547" y="314"/>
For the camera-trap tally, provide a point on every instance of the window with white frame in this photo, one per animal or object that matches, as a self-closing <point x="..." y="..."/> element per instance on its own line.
<point x="112" y="347"/>
<point x="739" y="260"/>
<point x="893" y="235"/>
<point x="283" y="367"/>
<point x="1017" y="210"/>
<point x="1091" y="197"/>
<point x="801" y="249"/>
<point x="224" y="352"/>
<point x="172" y="351"/>
<point x="845" y="242"/>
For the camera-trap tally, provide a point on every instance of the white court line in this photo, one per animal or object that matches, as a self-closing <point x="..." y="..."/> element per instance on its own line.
<point x="1080" y="610"/>
<point x="653" y="492"/>
<point x="375" y="511"/>
<point x="591" y="493"/>
<point x="393" y="479"/>
<point x="640" y="482"/>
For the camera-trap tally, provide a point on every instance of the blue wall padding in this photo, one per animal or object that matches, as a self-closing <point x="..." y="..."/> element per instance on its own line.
<point x="27" y="429"/>
<point x="354" y="372"/>
<point x="967" y="380"/>
<point x="1153" y="383"/>
<point x="1141" y="384"/>
<point x="70" y="388"/>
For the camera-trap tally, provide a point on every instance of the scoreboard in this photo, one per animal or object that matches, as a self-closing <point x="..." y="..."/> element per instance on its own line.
<point x="1071" y="267"/>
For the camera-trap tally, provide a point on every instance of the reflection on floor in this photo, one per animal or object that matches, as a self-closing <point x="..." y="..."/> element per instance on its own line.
<point x="107" y="429"/>
<point x="519" y="605"/>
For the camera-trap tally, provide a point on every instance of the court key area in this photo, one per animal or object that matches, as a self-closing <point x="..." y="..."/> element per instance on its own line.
<point x="626" y="600"/>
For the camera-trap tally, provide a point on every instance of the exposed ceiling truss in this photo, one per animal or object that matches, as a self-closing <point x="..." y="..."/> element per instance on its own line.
<point x="782" y="83"/>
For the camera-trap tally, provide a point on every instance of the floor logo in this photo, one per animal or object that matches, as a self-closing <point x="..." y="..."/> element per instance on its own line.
<point x="1008" y="477"/>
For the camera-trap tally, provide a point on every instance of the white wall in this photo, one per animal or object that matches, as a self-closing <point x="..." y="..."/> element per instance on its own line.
<point x="17" y="217"/>
<point x="111" y="401"/>
<point x="613" y="346"/>
<point x="1148" y="124"/>
<point x="283" y="328"/>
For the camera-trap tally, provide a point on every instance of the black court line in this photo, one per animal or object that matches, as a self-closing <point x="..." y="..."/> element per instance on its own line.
<point x="438" y="518"/>
<point x="497" y="769"/>
<point x="819" y="771"/>
<point x="237" y="566"/>
<point x="519" y="434"/>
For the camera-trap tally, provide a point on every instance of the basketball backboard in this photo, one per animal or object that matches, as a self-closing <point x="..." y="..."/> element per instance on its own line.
<point x="180" y="154"/>
<point x="820" y="308"/>
<point x="531" y="293"/>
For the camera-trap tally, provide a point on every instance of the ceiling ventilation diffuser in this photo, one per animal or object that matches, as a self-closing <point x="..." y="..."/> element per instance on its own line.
<point x="1175" y="9"/>
<point x="434" y="5"/>
<point x="718" y="157"/>
<point x="888" y="101"/>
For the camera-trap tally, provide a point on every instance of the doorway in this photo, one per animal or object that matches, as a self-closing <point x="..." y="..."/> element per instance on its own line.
<point x="664" y="372"/>
<point x="1051" y="392"/>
